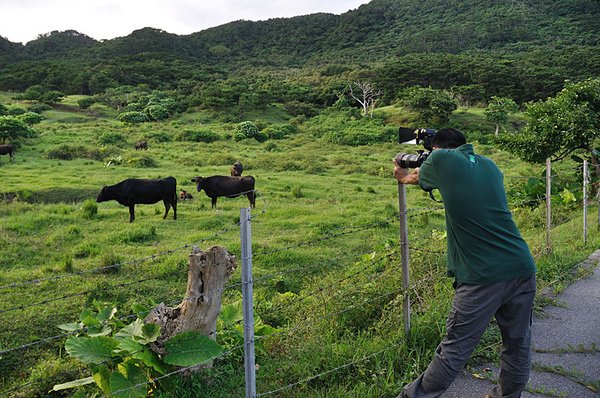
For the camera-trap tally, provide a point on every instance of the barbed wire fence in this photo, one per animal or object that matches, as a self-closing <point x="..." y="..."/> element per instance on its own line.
<point x="245" y="285"/>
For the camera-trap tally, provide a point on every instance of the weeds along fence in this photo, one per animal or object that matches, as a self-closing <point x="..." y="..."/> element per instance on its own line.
<point x="347" y="288"/>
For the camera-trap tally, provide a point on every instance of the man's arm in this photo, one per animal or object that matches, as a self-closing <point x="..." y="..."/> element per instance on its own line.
<point x="403" y="176"/>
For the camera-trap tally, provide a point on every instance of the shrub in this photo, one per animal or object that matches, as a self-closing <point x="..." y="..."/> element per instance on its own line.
<point x="86" y="102"/>
<point x="247" y="128"/>
<point x="39" y="107"/>
<point x="143" y="161"/>
<point x="297" y="108"/>
<point x="16" y="111"/>
<point x="197" y="136"/>
<point x="132" y="117"/>
<point x="70" y="152"/>
<point x="31" y="118"/>
<point x="157" y="112"/>
<point x="160" y="136"/>
<point x="66" y="152"/>
<point x="111" y="138"/>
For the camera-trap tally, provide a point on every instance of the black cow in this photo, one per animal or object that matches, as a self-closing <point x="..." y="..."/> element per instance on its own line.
<point x="230" y="187"/>
<point x="237" y="169"/>
<point x="141" y="145"/>
<point x="134" y="191"/>
<point x="9" y="150"/>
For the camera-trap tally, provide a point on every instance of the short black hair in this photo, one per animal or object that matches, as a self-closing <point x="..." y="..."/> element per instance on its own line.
<point x="448" y="138"/>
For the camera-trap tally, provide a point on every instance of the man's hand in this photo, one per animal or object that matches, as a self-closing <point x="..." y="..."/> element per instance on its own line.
<point x="402" y="175"/>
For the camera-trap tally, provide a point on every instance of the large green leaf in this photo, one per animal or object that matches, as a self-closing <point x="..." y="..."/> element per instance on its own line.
<point x="151" y="331"/>
<point x="142" y="333"/>
<point x="129" y="382"/>
<point x="73" y="384"/>
<point x="93" y="350"/>
<point x="106" y="314"/>
<point x="231" y="313"/>
<point x="138" y="351"/>
<point x="191" y="348"/>
<point x="101" y="376"/>
<point x="100" y="330"/>
<point x="71" y="327"/>
<point x="134" y="329"/>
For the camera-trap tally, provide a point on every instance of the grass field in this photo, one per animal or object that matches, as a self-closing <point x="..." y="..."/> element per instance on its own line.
<point x="325" y="243"/>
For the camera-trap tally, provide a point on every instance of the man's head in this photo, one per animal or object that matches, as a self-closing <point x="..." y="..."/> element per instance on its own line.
<point x="448" y="139"/>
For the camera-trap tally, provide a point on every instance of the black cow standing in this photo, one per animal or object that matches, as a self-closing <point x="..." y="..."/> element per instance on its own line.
<point x="134" y="191"/>
<point x="9" y="150"/>
<point x="230" y="187"/>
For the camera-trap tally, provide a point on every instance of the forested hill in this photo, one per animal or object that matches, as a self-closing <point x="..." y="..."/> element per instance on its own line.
<point x="520" y="48"/>
<point x="381" y="28"/>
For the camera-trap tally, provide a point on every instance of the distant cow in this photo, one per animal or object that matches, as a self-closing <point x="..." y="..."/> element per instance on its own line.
<point x="236" y="169"/>
<point x="141" y="145"/>
<point x="229" y="187"/>
<point x="183" y="195"/>
<point x="134" y="191"/>
<point x="9" y="150"/>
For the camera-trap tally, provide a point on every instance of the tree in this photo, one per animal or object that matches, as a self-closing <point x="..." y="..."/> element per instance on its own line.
<point x="561" y="125"/>
<point x="366" y="96"/>
<point x="498" y="110"/>
<point x="433" y="106"/>
<point x="13" y="128"/>
<point x="466" y="95"/>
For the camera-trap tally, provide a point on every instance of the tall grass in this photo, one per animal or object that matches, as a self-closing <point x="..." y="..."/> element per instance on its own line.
<point x="325" y="243"/>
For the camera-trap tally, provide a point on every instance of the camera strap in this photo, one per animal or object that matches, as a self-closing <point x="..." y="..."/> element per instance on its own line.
<point x="433" y="197"/>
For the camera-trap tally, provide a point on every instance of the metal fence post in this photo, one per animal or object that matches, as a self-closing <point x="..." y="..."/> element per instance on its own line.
<point x="404" y="251"/>
<point x="548" y="204"/>
<point x="248" y="307"/>
<point x="585" y="200"/>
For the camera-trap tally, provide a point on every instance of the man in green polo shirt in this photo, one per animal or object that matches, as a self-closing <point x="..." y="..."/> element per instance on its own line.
<point x="492" y="267"/>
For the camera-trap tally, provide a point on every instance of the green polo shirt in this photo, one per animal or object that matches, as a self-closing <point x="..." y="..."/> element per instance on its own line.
<point x="484" y="244"/>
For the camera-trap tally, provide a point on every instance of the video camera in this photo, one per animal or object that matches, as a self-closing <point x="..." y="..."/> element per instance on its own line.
<point x="412" y="136"/>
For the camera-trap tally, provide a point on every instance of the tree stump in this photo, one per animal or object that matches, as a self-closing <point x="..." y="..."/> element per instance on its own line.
<point x="208" y="273"/>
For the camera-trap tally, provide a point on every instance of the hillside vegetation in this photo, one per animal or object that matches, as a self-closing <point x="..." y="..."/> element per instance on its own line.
<point x="325" y="244"/>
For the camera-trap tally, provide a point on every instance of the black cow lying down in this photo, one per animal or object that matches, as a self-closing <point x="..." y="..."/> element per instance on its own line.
<point x="134" y="191"/>
<point x="229" y="187"/>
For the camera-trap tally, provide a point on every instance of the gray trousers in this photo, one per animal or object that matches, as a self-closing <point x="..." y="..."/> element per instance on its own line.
<point x="473" y="306"/>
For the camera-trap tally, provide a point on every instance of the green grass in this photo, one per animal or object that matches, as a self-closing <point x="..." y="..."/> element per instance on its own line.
<point x="325" y="245"/>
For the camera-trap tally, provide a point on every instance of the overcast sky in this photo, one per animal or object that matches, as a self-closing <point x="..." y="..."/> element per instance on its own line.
<point x="23" y="20"/>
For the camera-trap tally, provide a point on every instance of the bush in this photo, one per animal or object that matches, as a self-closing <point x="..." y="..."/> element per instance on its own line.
<point x="143" y="161"/>
<point x="132" y="117"/>
<point x="160" y="136"/>
<point x="111" y="138"/>
<point x="157" y="112"/>
<point x="39" y="107"/>
<point x="16" y="111"/>
<point x="70" y="152"/>
<point x="247" y="129"/>
<point x="85" y="103"/>
<point x="66" y="152"/>
<point x="297" y="108"/>
<point x="31" y="118"/>
<point x="279" y="132"/>
<point x="197" y="136"/>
